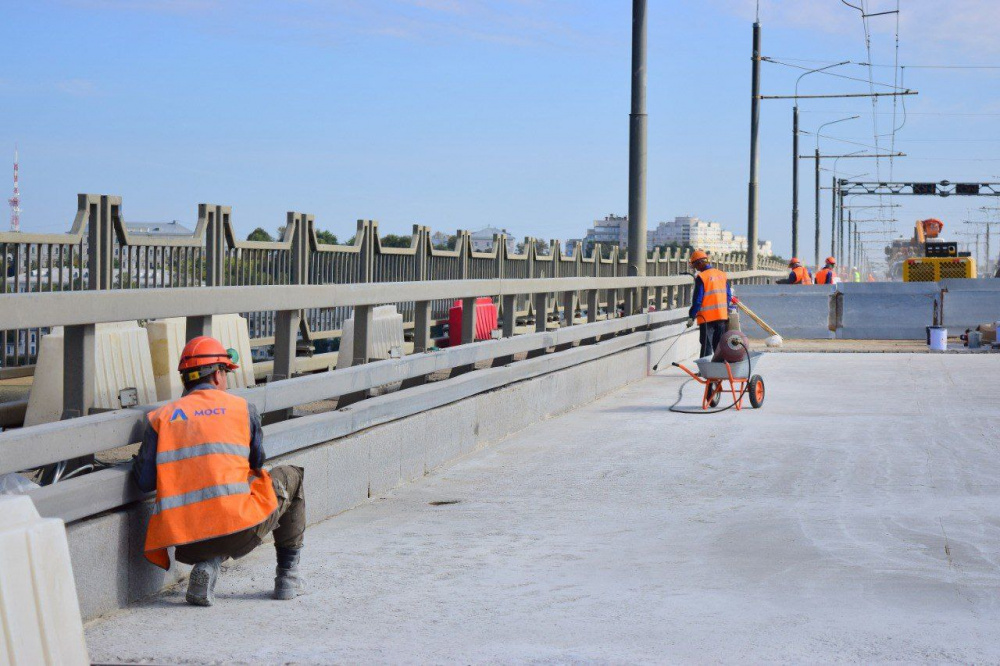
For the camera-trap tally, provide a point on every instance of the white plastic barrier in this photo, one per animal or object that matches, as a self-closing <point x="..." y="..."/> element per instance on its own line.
<point x="166" y="342"/>
<point x="39" y="613"/>
<point x="122" y="361"/>
<point x="386" y="333"/>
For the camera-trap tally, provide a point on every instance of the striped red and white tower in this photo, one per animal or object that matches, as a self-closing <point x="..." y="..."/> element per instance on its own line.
<point x="15" y="201"/>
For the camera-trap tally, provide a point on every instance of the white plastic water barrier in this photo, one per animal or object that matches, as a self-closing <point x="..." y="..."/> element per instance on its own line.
<point x="386" y="333"/>
<point x="122" y="361"/>
<point x="39" y="613"/>
<point x="166" y="342"/>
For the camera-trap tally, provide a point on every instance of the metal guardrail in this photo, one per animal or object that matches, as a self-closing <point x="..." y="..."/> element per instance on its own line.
<point x="99" y="253"/>
<point x="49" y="443"/>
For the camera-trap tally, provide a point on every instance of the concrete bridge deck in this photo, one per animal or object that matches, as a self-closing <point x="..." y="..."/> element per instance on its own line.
<point x="854" y="518"/>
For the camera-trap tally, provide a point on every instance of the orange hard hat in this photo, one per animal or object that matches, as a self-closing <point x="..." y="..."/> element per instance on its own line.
<point x="698" y="255"/>
<point x="831" y="261"/>
<point x="204" y="351"/>
<point x="793" y="261"/>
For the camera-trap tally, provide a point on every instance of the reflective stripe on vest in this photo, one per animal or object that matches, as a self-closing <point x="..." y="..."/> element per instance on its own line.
<point x="714" y="301"/>
<point x="204" y="485"/>
<point x="200" y="450"/>
<point x="177" y="501"/>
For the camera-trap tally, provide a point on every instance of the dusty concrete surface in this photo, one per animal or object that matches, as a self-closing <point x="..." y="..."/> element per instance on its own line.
<point x="855" y="518"/>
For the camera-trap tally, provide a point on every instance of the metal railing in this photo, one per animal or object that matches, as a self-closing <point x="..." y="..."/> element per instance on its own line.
<point x="99" y="253"/>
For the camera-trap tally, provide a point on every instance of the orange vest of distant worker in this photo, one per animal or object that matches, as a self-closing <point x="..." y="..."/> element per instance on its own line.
<point x="802" y="275"/>
<point x="821" y="274"/>
<point x="204" y="485"/>
<point x="714" y="304"/>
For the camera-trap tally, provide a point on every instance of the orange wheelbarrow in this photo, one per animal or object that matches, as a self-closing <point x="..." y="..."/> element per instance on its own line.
<point x="720" y="377"/>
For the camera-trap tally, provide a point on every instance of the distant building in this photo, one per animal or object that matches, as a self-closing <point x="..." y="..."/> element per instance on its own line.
<point x="482" y="240"/>
<point x="612" y="230"/>
<point x="172" y="228"/>
<point x="690" y="231"/>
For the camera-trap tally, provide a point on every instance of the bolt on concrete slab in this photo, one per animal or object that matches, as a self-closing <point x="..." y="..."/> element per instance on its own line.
<point x="854" y="518"/>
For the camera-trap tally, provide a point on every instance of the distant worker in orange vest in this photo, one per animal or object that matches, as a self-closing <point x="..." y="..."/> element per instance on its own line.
<point x="799" y="274"/>
<point x="710" y="303"/>
<point x="826" y="274"/>
<point x="204" y="456"/>
<point x="871" y="278"/>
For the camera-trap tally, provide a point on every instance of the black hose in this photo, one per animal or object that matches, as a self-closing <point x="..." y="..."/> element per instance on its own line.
<point x="746" y="386"/>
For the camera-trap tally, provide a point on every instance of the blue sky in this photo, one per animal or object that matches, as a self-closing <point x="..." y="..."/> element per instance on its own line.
<point x="462" y="114"/>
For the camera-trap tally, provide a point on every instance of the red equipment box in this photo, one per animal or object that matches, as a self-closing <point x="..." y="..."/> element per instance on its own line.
<point x="486" y="321"/>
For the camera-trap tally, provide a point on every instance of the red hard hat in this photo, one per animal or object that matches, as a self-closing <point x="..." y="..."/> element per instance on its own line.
<point x="793" y="261"/>
<point x="698" y="255"/>
<point x="831" y="260"/>
<point x="203" y="351"/>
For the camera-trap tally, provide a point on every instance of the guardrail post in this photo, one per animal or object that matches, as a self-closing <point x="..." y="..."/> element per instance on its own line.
<point x="79" y="367"/>
<point x="568" y="303"/>
<point x="541" y="315"/>
<point x="643" y="299"/>
<point x="593" y="305"/>
<point x="362" y="328"/>
<point x="509" y="304"/>
<point x="196" y="326"/>
<point x="468" y="320"/>
<point x="658" y="297"/>
<point x="286" y="328"/>
<point x="421" y="326"/>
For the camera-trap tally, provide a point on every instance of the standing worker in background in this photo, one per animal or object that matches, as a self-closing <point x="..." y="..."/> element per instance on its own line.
<point x="826" y="274"/>
<point x="204" y="457"/>
<point x="710" y="303"/>
<point x="799" y="274"/>
<point x="855" y="274"/>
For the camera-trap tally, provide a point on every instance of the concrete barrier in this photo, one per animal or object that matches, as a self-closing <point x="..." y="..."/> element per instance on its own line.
<point x="886" y="310"/>
<point x="111" y="571"/>
<point x="969" y="303"/>
<point x="794" y="311"/>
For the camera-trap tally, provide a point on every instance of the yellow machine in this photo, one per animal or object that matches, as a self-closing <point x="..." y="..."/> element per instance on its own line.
<point x="941" y="259"/>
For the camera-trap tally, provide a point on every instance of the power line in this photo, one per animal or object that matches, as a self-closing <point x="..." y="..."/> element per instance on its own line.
<point x="888" y="66"/>
<point x="774" y="61"/>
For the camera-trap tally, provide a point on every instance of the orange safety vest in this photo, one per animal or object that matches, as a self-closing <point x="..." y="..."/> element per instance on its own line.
<point x="204" y="485"/>
<point x="821" y="275"/>
<point x="802" y="275"/>
<point x="714" y="304"/>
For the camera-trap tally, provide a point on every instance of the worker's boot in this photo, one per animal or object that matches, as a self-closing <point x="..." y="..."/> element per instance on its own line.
<point x="288" y="582"/>
<point x="201" y="584"/>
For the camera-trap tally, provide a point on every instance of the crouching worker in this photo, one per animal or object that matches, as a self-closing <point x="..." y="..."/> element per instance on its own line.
<point x="709" y="303"/>
<point x="204" y="457"/>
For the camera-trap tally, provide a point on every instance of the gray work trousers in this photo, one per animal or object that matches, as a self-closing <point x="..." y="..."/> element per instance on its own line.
<point x="288" y="522"/>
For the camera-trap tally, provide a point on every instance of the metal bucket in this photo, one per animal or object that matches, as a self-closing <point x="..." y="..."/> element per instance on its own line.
<point x="710" y="369"/>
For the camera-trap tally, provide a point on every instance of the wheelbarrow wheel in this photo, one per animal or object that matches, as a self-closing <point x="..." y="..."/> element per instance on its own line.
<point x="714" y="394"/>
<point x="756" y="391"/>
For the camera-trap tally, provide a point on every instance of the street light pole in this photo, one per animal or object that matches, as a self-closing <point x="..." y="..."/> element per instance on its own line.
<point x="752" y="203"/>
<point x="795" y="157"/>
<point x="818" y="132"/>
<point x="637" y="146"/>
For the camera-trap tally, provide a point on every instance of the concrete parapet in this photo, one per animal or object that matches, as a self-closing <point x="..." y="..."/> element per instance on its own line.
<point x="106" y="550"/>
<point x="969" y="303"/>
<point x="887" y="310"/>
<point x="794" y="311"/>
